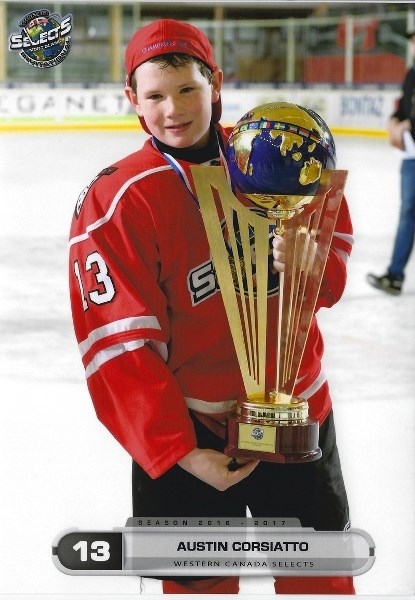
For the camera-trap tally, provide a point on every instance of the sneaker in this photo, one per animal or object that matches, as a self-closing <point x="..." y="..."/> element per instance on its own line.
<point x="386" y="283"/>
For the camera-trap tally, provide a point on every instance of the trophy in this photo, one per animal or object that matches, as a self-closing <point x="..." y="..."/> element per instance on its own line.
<point x="281" y="163"/>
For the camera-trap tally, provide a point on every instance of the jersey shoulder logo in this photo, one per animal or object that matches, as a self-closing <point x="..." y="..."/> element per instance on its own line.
<point x="83" y="194"/>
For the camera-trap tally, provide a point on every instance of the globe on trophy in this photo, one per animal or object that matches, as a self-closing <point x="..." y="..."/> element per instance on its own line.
<point x="279" y="178"/>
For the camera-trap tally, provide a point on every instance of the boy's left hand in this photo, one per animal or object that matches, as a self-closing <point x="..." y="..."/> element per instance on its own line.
<point x="278" y="253"/>
<point x="306" y="252"/>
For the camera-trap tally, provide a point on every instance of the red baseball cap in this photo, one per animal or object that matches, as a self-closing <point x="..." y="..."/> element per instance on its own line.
<point x="168" y="36"/>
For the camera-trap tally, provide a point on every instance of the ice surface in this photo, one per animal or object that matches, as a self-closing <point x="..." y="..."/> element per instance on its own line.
<point x="60" y="469"/>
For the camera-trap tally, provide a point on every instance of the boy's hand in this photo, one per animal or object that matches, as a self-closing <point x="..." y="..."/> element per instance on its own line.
<point x="212" y="467"/>
<point x="278" y="253"/>
<point x="306" y="252"/>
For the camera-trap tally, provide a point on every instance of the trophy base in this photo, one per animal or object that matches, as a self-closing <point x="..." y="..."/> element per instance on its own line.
<point x="281" y="433"/>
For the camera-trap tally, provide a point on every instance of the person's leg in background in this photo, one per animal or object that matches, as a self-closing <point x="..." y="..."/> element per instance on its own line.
<point x="404" y="239"/>
<point x="392" y="281"/>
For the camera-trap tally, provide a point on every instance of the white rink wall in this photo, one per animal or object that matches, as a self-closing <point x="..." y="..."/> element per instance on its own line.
<point x="354" y="110"/>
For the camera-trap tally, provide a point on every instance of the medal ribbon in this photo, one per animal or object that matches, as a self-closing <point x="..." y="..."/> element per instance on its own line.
<point x="178" y="169"/>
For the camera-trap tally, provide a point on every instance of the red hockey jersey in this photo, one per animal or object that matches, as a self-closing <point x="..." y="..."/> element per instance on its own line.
<point x="148" y="314"/>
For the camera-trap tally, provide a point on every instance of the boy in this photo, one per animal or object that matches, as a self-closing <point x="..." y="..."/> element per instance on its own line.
<point x="149" y="319"/>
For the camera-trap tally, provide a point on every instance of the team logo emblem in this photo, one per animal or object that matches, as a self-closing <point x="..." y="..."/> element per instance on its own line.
<point x="202" y="281"/>
<point x="273" y="278"/>
<point x="44" y="39"/>
<point x="257" y="433"/>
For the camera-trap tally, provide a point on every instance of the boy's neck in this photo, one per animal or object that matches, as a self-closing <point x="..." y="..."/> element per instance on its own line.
<point x="209" y="152"/>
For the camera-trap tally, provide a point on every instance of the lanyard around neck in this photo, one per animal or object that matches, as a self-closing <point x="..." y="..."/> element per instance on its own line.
<point x="178" y="169"/>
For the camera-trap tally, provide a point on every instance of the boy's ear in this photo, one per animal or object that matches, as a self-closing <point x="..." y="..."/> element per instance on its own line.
<point x="132" y="98"/>
<point x="216" y="81"/>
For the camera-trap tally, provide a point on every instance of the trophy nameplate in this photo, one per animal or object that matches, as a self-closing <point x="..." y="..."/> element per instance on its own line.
<point x="269" y="327"/>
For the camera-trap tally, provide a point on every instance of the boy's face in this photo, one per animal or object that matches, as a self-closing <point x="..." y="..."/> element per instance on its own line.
<point x="176" y="103"/>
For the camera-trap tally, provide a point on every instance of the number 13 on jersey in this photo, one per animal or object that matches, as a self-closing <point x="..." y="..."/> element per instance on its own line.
<point x="103" y="286"/>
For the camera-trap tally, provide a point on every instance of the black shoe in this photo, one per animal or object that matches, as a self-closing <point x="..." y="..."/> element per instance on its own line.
<point x="386" y="283"/>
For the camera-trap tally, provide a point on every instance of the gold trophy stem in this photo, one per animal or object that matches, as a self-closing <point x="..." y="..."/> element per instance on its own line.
<point x="280" y="305"/>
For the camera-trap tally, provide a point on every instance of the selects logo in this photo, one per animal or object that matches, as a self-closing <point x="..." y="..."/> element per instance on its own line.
<point x="44" y="40"/>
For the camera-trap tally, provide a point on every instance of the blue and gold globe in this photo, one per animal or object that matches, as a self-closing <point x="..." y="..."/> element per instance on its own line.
<point x="277" y="152"/>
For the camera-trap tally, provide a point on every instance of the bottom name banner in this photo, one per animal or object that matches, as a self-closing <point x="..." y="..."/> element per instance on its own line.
<point x="157" y="551"/>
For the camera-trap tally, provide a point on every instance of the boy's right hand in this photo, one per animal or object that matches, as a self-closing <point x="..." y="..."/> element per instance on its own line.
<point x="212" y="467"/>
